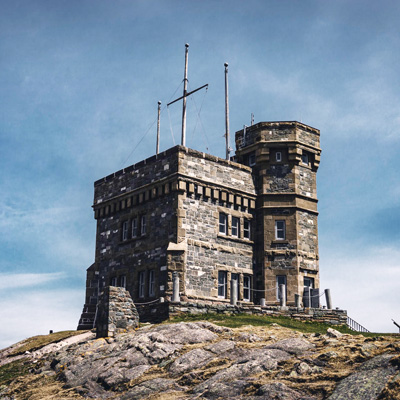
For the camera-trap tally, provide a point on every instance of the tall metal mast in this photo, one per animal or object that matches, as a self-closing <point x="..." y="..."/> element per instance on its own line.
<point x="228" y="150"/>
<point x="158" y="128"/>
<point x="185" y="95"/>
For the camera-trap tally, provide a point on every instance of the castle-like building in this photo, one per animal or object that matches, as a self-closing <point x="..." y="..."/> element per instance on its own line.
<point x="252" y="219"/>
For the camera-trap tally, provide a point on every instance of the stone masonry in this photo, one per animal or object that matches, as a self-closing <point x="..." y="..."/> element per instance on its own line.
<point x="252" y="219"/>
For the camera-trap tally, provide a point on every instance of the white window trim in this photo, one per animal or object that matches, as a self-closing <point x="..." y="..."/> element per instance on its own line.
<point x="142" y="279"/>
<point x="223" y="224"/>
<point x="122" y="280"/>
<point x="143" y="225"/>
<point x="125" y="231"/>
<point x="236" y="227"/>
<point x="152" y="292"/>
<point x="248" y="287"/>
<point x="114" y="281"/>
<point x="223" y="284"/>
<point x="134" y="227"/>
<point x="246" y="232"/>
<point x="277" y="230"/>
<point x="278" y="156"/>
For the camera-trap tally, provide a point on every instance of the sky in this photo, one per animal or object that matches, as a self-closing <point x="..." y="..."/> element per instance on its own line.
<point x="79" y="86"/>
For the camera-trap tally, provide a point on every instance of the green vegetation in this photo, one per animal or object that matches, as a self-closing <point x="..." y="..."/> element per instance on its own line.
<point x="37" y="342"/>
<point x="238" y="320"/>
<point x="13" y="370"/>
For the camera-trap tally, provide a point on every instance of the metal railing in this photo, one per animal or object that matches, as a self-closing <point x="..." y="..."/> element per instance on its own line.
<point x="355" y="326"/>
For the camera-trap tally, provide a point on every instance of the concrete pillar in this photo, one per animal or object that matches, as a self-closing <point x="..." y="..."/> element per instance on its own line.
<point x="328" y="299"/>
<point x="234" y="292"/>
<point x="175" y="288"/>
<point x="282" y="295"/>
<point x="262" y="302"/>
<point x="297" y="300"/>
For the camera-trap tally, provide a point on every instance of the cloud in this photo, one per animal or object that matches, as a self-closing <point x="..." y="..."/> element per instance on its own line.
<point x="16" y="281"/>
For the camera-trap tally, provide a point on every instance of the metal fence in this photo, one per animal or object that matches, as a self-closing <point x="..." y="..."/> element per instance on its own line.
<point x="355" y="326"/>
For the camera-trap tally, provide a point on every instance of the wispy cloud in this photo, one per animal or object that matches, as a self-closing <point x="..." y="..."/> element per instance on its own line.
<point x="14" y="281"/>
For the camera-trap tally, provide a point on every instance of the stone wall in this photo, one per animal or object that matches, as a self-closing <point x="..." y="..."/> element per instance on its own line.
<point x="333" y="317"/>
<point x="116" y="312"/>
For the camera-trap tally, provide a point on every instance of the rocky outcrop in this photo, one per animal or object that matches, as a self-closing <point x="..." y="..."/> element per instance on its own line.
<point x="200" y="360"/>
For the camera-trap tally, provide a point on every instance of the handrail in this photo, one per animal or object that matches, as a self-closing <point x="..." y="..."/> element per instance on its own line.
<point x="355" y="326"/>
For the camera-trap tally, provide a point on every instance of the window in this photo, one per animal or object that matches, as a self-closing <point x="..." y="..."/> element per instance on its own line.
<point x="151" y="283"/>
<point x="252" y="159"/>
<point x="246" y="288"/>
<point x="223" y="223"/>
<point x="246" y="229"/>
<point x="304" y="158"/>
<point x="222" y="284"/>
<point x="134" y="227"/>
<point x="280" y="280"/>
<point x="235" y="226"/>
<point x="143" y="225"/>
<point x="141" y="283"/>
<point x="122" y="281"/>
<point x="114" y="281"/>
<point x="308" y="282"/>
<point x="280" y="230"/>
<point x="278" y="156"/>
<point x="125" y="230"/>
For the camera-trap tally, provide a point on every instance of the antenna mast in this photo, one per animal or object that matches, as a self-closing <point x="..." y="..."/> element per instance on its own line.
<point x="228" y="150"/>
<point x="158" y="128"/>
<point x="185" y="95"/>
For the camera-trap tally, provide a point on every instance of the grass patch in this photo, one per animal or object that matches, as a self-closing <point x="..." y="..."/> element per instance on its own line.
<point x="13" y="370"/>
<point x="238" y="320"/>
<point x="37" y="342"/>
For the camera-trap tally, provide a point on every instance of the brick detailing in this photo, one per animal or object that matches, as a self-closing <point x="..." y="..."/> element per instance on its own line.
<point x="116" y="312"/>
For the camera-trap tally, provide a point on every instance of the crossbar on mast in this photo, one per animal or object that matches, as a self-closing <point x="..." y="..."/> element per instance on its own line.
<point x="184" y="96"/>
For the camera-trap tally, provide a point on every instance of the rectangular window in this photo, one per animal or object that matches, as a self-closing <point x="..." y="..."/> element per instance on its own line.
<point x="304" y="158"/>
<point x="125" y="230"/>
<point x="223" y="223"/>
<point x="252" y="159"/>
<point x="114" y="281"/>
<point x="122" y="281"/>
<point x="246" y="229"/>
<point x="278" y="156"/>
<point x="235" y="226"/>
<point x="280" y="230"/>
<point x="246" y="288"/>
<point x="280" y="280"/>
<point x="134" y="227"/>
<point x="222" y="284"/>
<point x="308" y="282"/>
<point x="152" y="292"/>
<point x="141" y="283"/>
<point x="143" y="225"/>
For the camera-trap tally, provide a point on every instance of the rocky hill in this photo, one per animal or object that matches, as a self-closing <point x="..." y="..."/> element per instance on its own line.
<point x="201" y="360"/>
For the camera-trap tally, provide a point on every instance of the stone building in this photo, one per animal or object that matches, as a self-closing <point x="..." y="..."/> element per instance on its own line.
<point x="252" y="219"/>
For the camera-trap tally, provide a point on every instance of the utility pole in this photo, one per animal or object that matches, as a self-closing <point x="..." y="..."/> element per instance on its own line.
<point x="158" y="128"/>
<point x="185" y="95"/>
<point x="228" y="150"/>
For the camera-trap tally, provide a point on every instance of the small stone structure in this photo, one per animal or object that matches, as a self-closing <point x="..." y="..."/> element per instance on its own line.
<point x="116" y="312"/>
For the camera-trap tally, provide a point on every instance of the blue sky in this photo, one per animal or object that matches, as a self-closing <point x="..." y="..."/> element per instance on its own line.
<point x="79" y="85"/>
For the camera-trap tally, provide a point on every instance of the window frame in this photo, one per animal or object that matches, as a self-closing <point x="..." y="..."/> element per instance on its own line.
<point x="280" y="232"/>
<point x="114" y="281"/>
<point x="305" y="159"/>
<point x="125" y="230"/>
<point x="142" y="282"/>
<point x="134" y="226"/>
<point x="222" y="283"/>
<point x="152" y="281"/>
<point x="252" y="159"/>
<point x="223" y="223"/>
<point x="235" y="226"/>
<point x="311" y="280"/>
<point x="143" y="225"/>
<point x="278" y="156"/>
<point x="246" y="231"/>
<point x="122" y="281"/>
<point x="246" y="288"/>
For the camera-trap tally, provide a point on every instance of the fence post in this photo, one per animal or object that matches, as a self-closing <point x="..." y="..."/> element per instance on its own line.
<point x="297" y="300"/>
<point x="282" y="296"/>
<point x="328" y="299"/>
<point x="234" y="291"/>
<point x="175" y="288"/>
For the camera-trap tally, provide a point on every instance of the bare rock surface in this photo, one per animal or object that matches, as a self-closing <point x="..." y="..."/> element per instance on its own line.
<point x="200" y="360"/>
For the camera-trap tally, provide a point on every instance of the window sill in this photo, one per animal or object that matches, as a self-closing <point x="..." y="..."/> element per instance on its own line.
<point x="280" y="241"/>
<point x="234" y="238"/>
<point x="131" y="240"/>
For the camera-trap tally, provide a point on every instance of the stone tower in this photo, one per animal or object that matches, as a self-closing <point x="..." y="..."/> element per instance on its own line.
<point x="284" y="157"/>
